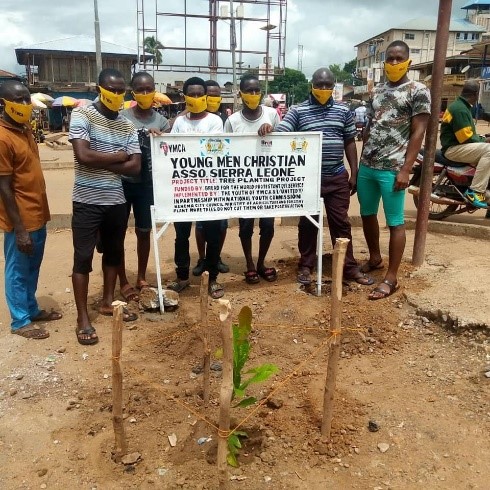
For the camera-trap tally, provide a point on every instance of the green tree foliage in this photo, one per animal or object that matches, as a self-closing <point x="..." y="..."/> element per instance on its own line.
<point x="153" y="46"/>
<point x="345" y="74"/>
<point x="293" y="83"/>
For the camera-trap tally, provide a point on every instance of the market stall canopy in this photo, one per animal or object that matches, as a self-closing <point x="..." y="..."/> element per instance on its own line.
<point x="64" y="101"/>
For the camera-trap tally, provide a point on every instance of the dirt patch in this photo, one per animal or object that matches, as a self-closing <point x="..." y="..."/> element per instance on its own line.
<point x="422" y="386"/>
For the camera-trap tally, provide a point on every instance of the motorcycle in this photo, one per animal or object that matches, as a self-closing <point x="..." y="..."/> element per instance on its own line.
<point x="359" y="131"/>
<point x="451" y="180"/>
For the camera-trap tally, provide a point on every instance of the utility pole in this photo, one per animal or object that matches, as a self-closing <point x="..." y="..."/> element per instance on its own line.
<point x="440" y="51"/>
<point x="98" y="53"/>
<point x="233" y="54"/>
<point x="300" y="57"/>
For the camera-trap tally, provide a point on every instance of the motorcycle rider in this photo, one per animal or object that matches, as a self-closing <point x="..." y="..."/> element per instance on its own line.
<point x="461" y="143"/>
<point x="360" y="117"/>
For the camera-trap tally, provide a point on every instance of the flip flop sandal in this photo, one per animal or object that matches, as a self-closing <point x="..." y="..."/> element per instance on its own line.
<point x="86" y="332"/>
<point x="179" y="286"/>
<point x="128" y="316"/>
<point x="378" y="293"/>
<point x="129" y="293"/>
<point x="269" y="274"/>
<point x="44" y="316"/>
<point x="144" y="285"/>
<point x="216" y="290"/>
<point x="251" y="277"/>
<point x="31" y="332"/>
<point x="368" y="267"/>
<point x="304" y="276"/>
<point x="363" y="279"/>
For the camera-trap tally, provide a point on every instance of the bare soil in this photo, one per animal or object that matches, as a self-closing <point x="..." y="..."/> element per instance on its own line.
<point x="423" y="385"/>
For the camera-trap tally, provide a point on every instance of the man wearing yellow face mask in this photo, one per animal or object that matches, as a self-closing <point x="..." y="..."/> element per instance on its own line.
<point x="321" y="113"/>
<point x="213" y="94"/>
<point x="197" y="120"/>
<point x="24" y="212"/>
<point x="397" y="117"/>
<point x="106" y="146"/>
<point x="249" y="120"/>
<point x="138" y="190"/>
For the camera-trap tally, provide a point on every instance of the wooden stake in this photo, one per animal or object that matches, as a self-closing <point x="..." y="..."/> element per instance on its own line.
<point x="226" y="393"/>
<point x="117" y="404"/>
<point x="205" y="337"/>
<point x="335" y="329"/>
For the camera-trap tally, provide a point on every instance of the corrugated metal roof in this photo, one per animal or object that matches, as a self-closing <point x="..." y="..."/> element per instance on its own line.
<point x="7" y="74"/>
<point x="430" y="24"/>
<point x="79" y="44"/>
<point x="475" y="4"/>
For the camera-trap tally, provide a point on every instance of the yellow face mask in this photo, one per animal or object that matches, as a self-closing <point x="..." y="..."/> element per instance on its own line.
<point x="196" y="105"/>
<point x="394" y="73"/>
<point x="321" y="95"/>
<point x="144" y="101"/>
<point x="111" y="100"/>
<point x="252" y="101"/>
<point x="20" y="113"/>
<point x="213" y="103"/>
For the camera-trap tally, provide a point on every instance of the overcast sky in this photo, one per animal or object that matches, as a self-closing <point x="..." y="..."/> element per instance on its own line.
<point x="327" y="29"/>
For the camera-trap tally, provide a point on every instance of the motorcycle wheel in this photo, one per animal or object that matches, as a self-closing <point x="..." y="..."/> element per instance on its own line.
<point x="437" y="212"/>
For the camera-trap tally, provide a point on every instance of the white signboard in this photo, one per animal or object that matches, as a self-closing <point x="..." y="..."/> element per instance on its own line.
<point x="204" y="177"/>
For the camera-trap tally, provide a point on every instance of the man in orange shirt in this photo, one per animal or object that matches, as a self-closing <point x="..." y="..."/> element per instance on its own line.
<point x="24" y="212"/>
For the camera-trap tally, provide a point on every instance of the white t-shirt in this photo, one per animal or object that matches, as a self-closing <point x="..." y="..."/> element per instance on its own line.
<point x="211" y="123"/>
<point x="237" y="123"/>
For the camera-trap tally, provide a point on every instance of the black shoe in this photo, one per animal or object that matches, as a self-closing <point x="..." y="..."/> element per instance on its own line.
<point x="199" y="269"/>
<point x="222" y="267"/>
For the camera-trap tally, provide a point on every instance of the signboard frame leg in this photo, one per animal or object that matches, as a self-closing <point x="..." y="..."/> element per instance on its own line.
<point x="319" y="246"/>
<point x="156" y="236"/>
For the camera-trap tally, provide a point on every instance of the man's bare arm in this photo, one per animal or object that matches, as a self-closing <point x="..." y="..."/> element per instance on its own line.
<point x="130" y="167"/>
<point x="96" y="159"/>
<point x="24" y="242"/>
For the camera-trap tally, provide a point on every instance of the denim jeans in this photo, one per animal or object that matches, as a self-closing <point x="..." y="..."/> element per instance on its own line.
<point x="21" y="276"/>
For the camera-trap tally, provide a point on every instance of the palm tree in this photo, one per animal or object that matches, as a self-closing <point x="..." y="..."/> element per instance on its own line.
<point x="153" y="46"/>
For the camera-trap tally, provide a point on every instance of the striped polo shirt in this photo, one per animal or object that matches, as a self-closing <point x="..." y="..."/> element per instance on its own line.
<point x="334" y="120"/>
<point x="96" y="185"/>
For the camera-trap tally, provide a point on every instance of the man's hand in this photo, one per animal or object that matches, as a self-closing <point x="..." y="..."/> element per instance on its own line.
<point x="353" y="184"/>
<point x="402" y="178"/>
<point x="155" y="132"/>
<point x="123" y="156"/>
<point x="266" y="128"/>
<point x="24" y="242"/>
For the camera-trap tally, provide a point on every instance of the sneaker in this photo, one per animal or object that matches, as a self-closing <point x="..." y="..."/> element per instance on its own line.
<point x="222" y="267"/>
<point x="199" y="269"/>
<point x="476" y="199"/>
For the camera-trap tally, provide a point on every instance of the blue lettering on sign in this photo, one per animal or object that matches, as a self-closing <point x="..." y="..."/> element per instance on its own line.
<point x="485" y="72"/>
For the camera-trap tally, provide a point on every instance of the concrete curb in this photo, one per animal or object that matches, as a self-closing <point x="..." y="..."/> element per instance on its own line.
<point x="456" y="229"/>
<point x="442" y="227"/>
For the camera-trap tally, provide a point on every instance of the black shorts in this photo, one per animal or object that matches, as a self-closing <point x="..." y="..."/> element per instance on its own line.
<point x="90" y="220"/>
<point x="246" y="227"/>
<point x="139" y="196"/>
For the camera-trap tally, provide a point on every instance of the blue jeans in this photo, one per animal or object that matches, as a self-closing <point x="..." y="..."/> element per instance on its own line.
<point x="21" y="276"/>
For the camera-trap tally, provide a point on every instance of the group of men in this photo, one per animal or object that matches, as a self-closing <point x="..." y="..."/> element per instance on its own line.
<point x="113" y="175"/>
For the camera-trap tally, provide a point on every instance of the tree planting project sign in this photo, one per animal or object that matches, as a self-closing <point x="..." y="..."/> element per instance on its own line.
<point x="206" y="177"/>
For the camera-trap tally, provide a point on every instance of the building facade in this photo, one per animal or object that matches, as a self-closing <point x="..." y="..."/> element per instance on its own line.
<point x="420" y="35"/>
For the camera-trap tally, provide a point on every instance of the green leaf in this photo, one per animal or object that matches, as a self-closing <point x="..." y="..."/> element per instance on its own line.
<point x="240" y="433"/>
<point x="238" y="392"/>
<point x="260" y="374"/>
<point x="245" y="317"/>
<point x="246" y="402"/>
<point x="234" y="441"/>
<point x="231" y="460"/>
